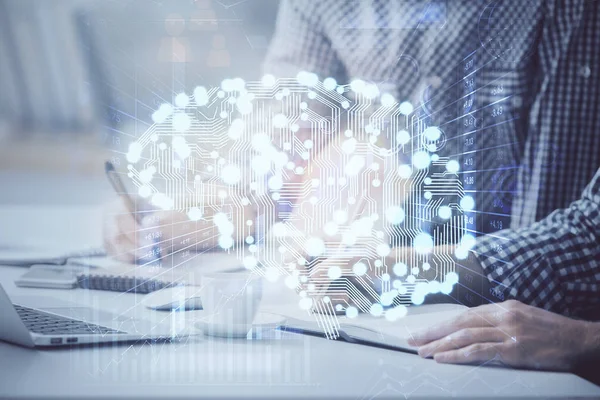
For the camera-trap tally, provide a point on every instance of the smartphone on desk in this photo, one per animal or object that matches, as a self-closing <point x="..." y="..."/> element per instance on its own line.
<point x="49" y="277"/>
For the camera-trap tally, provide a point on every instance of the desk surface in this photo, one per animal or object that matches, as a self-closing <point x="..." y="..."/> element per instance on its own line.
<point x="284" y="365"/>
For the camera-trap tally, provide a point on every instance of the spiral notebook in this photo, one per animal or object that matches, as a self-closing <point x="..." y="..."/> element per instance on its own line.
<point x="65" y="277"/>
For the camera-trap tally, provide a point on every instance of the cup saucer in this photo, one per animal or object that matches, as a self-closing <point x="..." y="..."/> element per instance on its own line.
<point x="262" y="322"/>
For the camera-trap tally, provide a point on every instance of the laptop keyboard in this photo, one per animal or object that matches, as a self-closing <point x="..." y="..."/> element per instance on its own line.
<point x="49" y="324"/>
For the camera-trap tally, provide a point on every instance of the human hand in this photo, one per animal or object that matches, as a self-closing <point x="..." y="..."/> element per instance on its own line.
<point x="128" y="241"/>
<point x="508" y="333"/>
<point x="161" y="233"/>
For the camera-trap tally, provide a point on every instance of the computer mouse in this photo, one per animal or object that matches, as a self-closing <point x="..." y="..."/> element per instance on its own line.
<point x="183" y="298"/>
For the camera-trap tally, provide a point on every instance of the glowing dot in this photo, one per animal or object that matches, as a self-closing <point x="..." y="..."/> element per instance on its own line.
<point x="428" y="195"/>
<point x="467" y="203"/>
<point x="261" y="165"/>
<point x="275" y="182"/>
<point x="354" y="165"/>
<point x="423" y="243"/>
<point x="376" y="183"/>
<point x="227" y="85"/>
<point x="329" y="83"/>
<point x="362" y="227"/>
<point x="244" y="105"/>
<point x="383" y="249"/>
<point x="182" y="100"/>
<point x="144" y="191"/>
<point x="405" y="171"/>
<point x="306" y="303"/>
<point x="268" y="80"/>
<point x="201" y="96"/>
<point x="357" y="85"/>
<point x="308" y="144"/>
<point x="163" y="112"/>
<point x="307" y="78"/>
<point x="349" y="146"/>
<point x="452" y="166"/>
<point x="236" y="129"/>
<point x="376" y="310"/>
<point x="414" y="270"/>
<point x="231" y="174"/>
<point x="315" y="246"/>
<point x="351" y="312"/>
<point x="340" y="217"/>
<point x="334" y="272"/>
<point x="417" y="298"/>
<point x="400" y="269"/>
<point x="461" y="253"/>
<point x="181" y="147"/>
<point x="371" y="91"/>
<point x="147" y="174"/>
<point x="468" y="241"/>
<point x="433" y="287"/>
<point x="280" y="121"/>
<point x="396" y="313"/>
<point x="250" y="262"/>
<point x="359" y="269"/>
<point x="402" y="137"/>
<point x="421" y="159"/>
<point x="194" y="214"/>
<point x="261" y="141"/>
<point x="406" y="108"/>
<point x="445" y="212"/>
<point x="181" y="122"/>
<point x="387" y="100"/>
<point x="340" y="89"/>
<point x="225" y="242"/>
<point x="238" y="84"/>
<point x="279" y="229"/>
<point x="250" y="239"/>
<point x="395" y="215"/>
<point x="345" y="104"/>
<point x="330" y="228"/>
<point x="162" y="201"/>
<point x="452" y="278"/>
<point x="387" y="298"/>
<point x="134" y="153"/>
<point x="432" y="133"/>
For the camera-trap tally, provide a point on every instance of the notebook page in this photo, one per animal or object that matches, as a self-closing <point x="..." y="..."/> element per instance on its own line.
<point x="381" y="331"/>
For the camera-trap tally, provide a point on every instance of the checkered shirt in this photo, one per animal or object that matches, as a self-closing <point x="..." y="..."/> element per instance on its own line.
<point x="539" y="60"/>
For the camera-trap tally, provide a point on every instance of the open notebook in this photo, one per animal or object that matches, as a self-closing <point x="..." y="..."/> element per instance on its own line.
<point x="369" y="330"/>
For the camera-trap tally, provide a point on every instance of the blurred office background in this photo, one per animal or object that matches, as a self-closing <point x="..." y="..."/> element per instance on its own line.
<point x="80" y="78"/>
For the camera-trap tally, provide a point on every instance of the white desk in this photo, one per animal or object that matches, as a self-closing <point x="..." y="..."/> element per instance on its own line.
<point x="286" y="365"/>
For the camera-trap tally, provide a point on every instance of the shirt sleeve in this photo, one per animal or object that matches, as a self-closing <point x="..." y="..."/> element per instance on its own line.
<point x="301" y="44"/>
<point x="553" y="264"/>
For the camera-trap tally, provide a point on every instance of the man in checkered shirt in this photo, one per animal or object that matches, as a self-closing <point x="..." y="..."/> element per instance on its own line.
<point x="536" y="113"/>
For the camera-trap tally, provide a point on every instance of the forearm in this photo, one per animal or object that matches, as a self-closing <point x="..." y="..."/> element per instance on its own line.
<point x="591" y="343"/>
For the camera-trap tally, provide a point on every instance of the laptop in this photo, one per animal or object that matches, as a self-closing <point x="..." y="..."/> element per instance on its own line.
<point x="62" y="324"/>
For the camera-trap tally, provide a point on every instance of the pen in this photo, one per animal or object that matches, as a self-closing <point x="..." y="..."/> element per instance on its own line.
<point x="119" y="187"/>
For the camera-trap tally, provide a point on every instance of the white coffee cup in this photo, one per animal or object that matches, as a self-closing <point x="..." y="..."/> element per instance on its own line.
<point x="230" y="301"/>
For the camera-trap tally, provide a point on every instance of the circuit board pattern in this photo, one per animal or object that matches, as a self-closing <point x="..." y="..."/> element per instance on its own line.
<point x="313" y="182"/>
